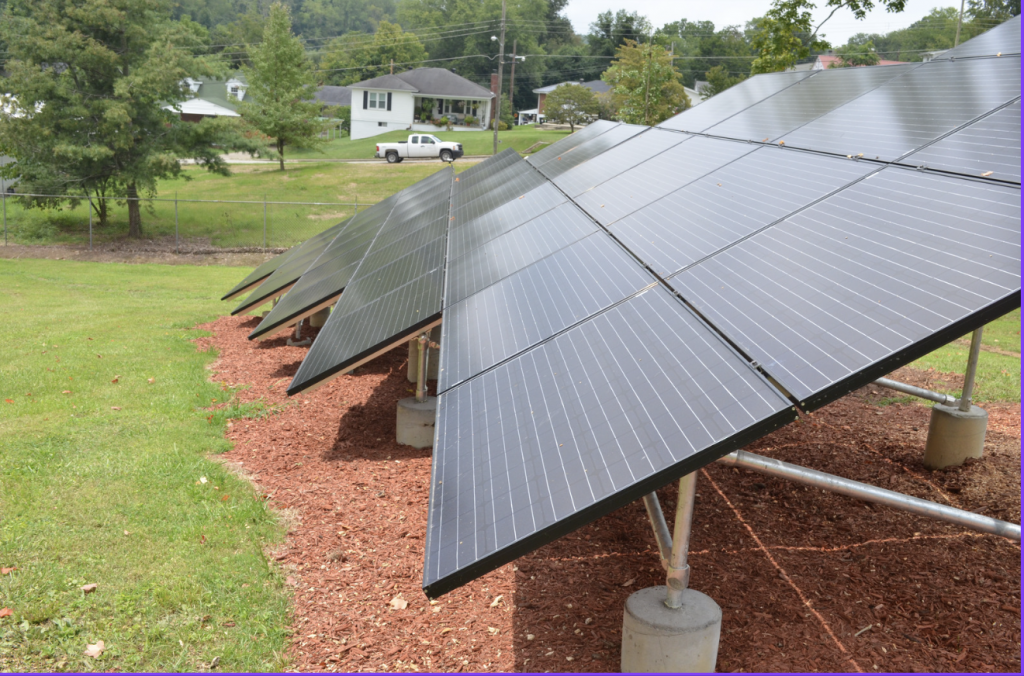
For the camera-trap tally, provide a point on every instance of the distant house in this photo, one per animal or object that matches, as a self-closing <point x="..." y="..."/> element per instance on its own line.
<point x="826" y="61"/>
<point x="334" y="96"/>
<point x="533" y="115"/>
<point x="212" y="97"/>
<point x="410" y="100"/>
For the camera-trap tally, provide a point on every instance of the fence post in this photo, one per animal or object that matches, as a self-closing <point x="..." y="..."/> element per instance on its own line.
<point x="176" y="246"/>
<point x="264" y="222"/>
<point x="5" y="216"/>
<point x="90" y="223"/>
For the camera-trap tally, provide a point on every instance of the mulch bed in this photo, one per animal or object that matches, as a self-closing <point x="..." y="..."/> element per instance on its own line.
<point x="806" y="580"/>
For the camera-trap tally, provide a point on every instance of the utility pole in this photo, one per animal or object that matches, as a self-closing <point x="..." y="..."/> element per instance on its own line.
<point x="392" y="66"/>
<point x="512" y="78"/>
<point x="501" y="62"/>
<point x="647" y="86"/>
<point x="959" y="21"/>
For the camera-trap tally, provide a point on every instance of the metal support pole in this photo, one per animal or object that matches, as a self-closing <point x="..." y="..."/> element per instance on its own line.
<point x="959" y="22"/>
<point x="678" y="569"/>
<point x="947" y="399"/>
<point x="176" y="246"/>
<point x="869" y="493"/>
<point x="5" y="216"/>
<point x="421" y="369"/>
<point x="661" y="533"/>
<point x="501" y="64"/>
<point x="90" y="224"/>
<point x="972" y="370"/>
<point x="264" y="221"/>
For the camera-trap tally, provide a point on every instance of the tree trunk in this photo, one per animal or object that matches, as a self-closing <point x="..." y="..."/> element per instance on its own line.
<point x="280" y="152"/>
<point x="99" y="205"/>
<point x="134" y="212"/>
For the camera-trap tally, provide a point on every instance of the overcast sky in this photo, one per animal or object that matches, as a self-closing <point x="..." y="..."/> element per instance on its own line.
<point x="738" y="12"/>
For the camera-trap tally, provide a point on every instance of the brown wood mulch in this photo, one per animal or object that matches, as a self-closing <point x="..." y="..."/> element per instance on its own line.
<point x="807" y="580"/>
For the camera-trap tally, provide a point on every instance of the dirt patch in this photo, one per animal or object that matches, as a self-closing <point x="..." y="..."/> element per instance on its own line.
<point x="806" y="580"/>
<point x="189" y="252"/>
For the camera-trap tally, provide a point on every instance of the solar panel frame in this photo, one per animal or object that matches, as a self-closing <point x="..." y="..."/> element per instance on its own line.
<point x="623" y="157"/>
<point x="502" y="219"/>
<point x="1003" y="39"/>
<point x="562" y="145"/>
<point x="589" y="149"/>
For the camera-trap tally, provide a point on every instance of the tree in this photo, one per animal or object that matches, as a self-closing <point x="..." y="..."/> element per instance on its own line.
<point x="699" y="47"/>
<point x="282" y="86"/>
<point x="91" y="81"/>
<point x="355" y="57"/>
<point x="784" y="35"/>
<point x="863" y="54"/>
<point x="646" y="87"/>
<point x="719" y="80"/>
<point x="571" y="104"/>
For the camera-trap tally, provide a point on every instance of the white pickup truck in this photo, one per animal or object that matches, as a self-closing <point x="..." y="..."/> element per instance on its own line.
<point x="419" y="145"/>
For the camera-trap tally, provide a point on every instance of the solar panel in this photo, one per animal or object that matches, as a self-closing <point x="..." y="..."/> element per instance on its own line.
<point x="265" y="269"/>
<point x="914" y="109"/>
<point x="469" y="193"/>
<point x="731" y="203"/>
<point x="628" y="154"/>
<point x="988" y="147"/>
<point x="486" y="167"/>
<point x="733" y="100"/>
<point x="587" y="150"/>
<point x="514" y="250"/>
<point x="514" y="188"/>
<point x="579" y="426"/>
<point x="804" y="101"/>
<point x="565" y="144"/>
<point x="500" y="220"/>
<point x="895" y="264"/>
<point x="533" y="304"/>
<point x="659" y="176"/>
<point x="1003" y="39"/>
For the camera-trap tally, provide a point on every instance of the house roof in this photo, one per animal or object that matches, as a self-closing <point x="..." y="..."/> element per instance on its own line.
<point x="334" y="96"/>
<point x="202" y="107"/>
<point x="596" y="86"/>
<point x="428" y="82"/>
<point x="215" y="91"/>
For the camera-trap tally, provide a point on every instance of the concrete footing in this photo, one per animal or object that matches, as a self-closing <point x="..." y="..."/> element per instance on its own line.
<point x="656" y="638"/>
<point x="954" y="436"/>
<point x="415" y="425"/>
<point x="433" y="358"/>
<point x="319" y="318"/>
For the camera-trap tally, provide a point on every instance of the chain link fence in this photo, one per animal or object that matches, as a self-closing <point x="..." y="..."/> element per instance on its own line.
<point x="171" y="223"/>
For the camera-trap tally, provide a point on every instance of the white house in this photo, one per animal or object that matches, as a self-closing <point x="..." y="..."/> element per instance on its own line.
<point x="410" y="100"/>
<point x="211" y="97"/>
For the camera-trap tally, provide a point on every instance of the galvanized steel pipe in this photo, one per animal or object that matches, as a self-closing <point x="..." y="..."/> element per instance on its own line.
<point x="869" y="493"/>
<point x="947" y="399"/>
<point x="678" y="577"/>
<point x="661" y="532"/>
<point x="972" y="370"/>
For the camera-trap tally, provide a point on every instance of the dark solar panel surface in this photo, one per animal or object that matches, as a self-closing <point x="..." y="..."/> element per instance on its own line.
<point x="806" y="100"/>
<point x="467" y="194"/>
<point x="991" y="144"/>
<point x="486" y="167"/>
<point x="622" y="157"/>
<point x="659" y="176"/>
<point x="535" y="303"/>
<point x="580" y="425"/>
<point x="551" y="152"/>
<point x="862" y="275"/>
<point x="914" y="109"/>
<point x="516" y="249"/>
<point x="733" y="100"/>
<point x="731" y="203"/>
<point x="510" y="215"/>
<point x="1003" y="39"/>
<point x="514" y="188"/>
<point x="588" y="150"/>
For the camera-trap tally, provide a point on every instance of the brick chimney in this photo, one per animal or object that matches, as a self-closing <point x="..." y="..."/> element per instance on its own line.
<point x="494" y="90"/>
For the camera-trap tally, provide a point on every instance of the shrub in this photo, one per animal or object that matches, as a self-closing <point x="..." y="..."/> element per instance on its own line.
<point x="470" y="121"/>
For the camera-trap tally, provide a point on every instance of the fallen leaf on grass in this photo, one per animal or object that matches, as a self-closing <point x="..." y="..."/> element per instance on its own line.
<point x="116" y="378"/>
<point x="151" y="380"/>
<point x="629" y="582"/>
<point x="497" y="599"/>
<point x="8" y="571"/>
<point x="95" y="649"/>
<point x="225" y="498"/>
<point x="214" y="662"/>
<point x="9" y="401"/>
<point x="89" y="588"/>
<point x="66" y="392"/>
<point x="6" y="612"/>
<point x="398" y="603"/>
<point x="202" y="480"/>
<point x="115" y="408"/>
<point x="202" y="539"/>
<point x="228" y="624"/>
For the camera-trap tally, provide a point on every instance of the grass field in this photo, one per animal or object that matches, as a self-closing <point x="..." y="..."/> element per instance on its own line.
<point x="473" y="142"/>
<point x="100" y="479"/>
<point x="234" y="225"/>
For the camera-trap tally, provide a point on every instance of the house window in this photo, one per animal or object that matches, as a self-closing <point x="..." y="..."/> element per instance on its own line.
<point x="377" y="100"/>
<point x="382" y="124"/>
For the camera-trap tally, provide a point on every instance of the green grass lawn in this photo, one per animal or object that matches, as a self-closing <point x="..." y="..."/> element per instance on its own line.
<point x="234" y="225"/>
<point x="473" y="142"/>
<point x="90" y="494"/>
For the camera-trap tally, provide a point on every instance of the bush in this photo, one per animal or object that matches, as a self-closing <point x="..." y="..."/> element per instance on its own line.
<point x="437" y="122"/>
<point x="502" y="125"/>
<point x="470" y="121"/>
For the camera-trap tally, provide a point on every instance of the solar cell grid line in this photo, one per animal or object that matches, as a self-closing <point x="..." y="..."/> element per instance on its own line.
<point x="989" y="147"/>
<point x="731" y="203"/>
<point x="588" y="150"/>
<point x="497" y="222"/>
<point x="370" y="284"/>
<point x="361" y="335"/>
<point x="501" y="256"/>
<point x="866" y="280"/>
<point x="516" y="187"/>
<point x="917" y="107"/>
<point x="581" y="425"/>
<point x="549" y="153"/>
<point x="1003" y="39"/>
<point x="804" y="101"/>
<point x="470" y="193"/>
<point x="485" y="167"/>
<point x="659" y="176"/>
<point x="734" y="100"/>
<point x="535" y="303"/>
<point x="614" y="161"/>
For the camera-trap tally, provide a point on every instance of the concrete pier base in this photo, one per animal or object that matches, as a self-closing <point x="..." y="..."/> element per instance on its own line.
<point x="954" y="436"/>
<point x="319" y="318"/>
<point x="656" y="638"/>
<point x="415" y="425"/>
<point x="432" y="361"/>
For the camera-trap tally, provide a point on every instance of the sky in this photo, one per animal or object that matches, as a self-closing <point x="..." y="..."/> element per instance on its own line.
<point x="737" y="12"/>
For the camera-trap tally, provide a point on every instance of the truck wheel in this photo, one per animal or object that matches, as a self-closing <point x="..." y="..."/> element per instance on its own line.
<point x="392" y="157"/>
<point x="446" y="156"/>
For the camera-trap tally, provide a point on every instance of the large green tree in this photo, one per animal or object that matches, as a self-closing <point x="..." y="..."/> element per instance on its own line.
<point x="699" y="47"/>
<point x="646" y="87"/>
<point x="282" y="85"/>
<point x="89" y="82"/>
<point x="571" y="104"/>
<point x="357" y="56"/>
